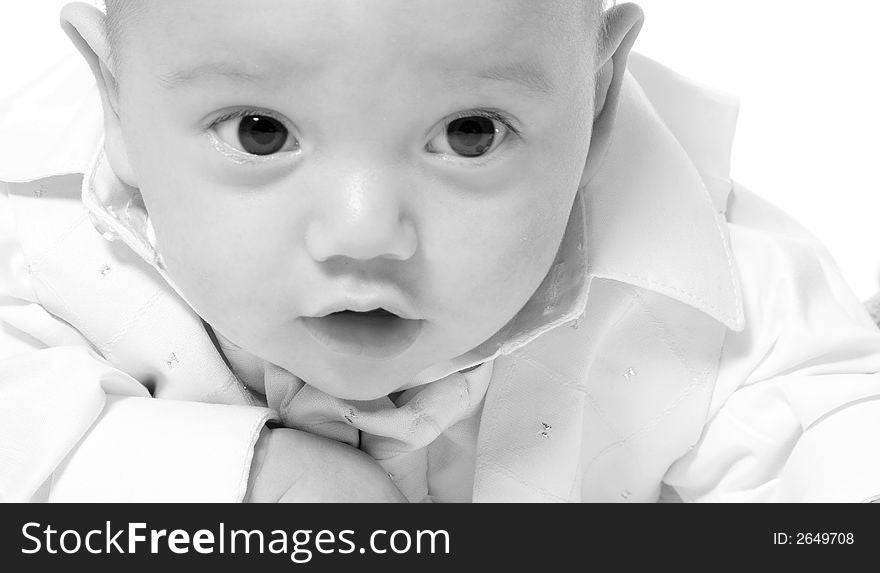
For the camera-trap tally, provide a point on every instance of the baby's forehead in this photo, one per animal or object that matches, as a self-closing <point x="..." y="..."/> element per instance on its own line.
<point x="486" y="19"/>
<point x="414" y="37"/>
<point x="547" y="8"/>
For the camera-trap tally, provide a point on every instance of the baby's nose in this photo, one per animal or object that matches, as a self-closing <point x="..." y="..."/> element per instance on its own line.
<point x="363" y="218"/>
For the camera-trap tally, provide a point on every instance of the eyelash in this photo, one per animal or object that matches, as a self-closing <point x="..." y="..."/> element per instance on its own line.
<point x="234" y="154"/>
<point x="501" y="118"/>
<point x="241" y="114"/>
<point x="488" y="114"/>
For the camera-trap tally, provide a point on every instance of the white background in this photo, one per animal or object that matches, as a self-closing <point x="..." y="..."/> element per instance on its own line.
<point x="806" y="72"/>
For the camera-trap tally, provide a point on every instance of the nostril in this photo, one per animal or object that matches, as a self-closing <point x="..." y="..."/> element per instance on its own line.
<point x="364" y="239"/>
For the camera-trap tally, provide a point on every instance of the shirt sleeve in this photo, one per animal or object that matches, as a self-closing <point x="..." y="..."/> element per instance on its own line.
<point x="74" y="428"/>
<point x="795" y="416"/>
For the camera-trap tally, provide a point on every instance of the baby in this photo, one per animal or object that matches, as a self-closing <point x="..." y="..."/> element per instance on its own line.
<point x="334" y="250"/>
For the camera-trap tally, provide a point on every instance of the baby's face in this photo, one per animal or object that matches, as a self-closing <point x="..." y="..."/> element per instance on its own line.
<point x="356" y="190"/>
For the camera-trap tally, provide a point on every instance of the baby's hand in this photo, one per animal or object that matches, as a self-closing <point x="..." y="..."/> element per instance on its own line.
<point x="294" y="466"/>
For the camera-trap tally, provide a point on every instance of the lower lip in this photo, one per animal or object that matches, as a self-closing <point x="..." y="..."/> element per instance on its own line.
<point x="374" y="337"/>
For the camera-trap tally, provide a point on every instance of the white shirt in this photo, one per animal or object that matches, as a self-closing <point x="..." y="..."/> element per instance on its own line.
<point x="720" y="356"/>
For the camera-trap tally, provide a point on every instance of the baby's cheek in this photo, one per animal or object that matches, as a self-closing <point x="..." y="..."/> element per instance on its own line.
<point x="209" y="271"/>
<point x="509" y="275"/>
<point x="534" y="257"/>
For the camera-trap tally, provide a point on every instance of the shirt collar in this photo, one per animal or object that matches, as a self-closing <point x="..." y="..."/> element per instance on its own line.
<point x="651" y="219"/>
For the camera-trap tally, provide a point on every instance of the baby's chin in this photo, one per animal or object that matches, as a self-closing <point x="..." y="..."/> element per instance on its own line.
<point x="361" y="383"/>
<point x="347" y="374"/>
<point x="348" y="378"/>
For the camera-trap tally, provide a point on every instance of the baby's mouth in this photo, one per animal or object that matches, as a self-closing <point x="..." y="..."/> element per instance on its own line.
<point x="377" y="334"/>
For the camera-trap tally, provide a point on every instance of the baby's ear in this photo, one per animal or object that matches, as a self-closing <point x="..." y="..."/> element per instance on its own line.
<point x="620" y="28"/>
<point x="84" y="24"/>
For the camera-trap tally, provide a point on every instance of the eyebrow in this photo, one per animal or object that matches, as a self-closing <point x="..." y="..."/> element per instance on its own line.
<point x="524" y="74"/>
<point x="527" y="75"/>
<point x="180" y="78"/>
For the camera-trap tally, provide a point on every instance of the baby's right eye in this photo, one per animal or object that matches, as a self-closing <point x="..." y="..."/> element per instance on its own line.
<point x="255" y="133"/>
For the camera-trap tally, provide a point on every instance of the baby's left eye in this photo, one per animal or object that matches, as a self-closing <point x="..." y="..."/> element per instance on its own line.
<point x="470" y="136"/>
<point x="255" y="134"/>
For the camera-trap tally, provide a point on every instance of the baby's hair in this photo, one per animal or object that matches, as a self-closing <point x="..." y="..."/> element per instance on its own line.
<point x="117" y="10"/>
<point x="120" y="12"/>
